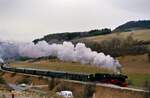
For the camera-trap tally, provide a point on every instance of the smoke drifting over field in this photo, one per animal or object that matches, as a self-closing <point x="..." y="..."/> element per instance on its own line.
<point x="65" y="52"/>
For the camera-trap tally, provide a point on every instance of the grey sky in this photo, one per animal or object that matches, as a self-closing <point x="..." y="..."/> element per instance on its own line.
<point x="29" y="19"/>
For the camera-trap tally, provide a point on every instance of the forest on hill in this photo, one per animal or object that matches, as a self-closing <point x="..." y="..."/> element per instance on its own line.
<point x="133" y="25"/>
<point x="68" y="36"/>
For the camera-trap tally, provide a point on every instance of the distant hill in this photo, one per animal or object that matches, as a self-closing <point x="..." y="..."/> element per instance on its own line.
<point x="133" y="25"/>
<point x="140" y="35"/>
<point x="69" y="36"/>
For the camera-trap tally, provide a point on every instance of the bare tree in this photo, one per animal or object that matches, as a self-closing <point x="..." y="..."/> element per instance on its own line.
<point x="89" y="91"/>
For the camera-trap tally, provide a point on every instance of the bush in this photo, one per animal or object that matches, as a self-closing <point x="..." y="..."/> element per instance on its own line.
<point x="64" y="86"/>
<point x="51" y="83"/>
<point x="25" y="80"/>
<point x="89" y="91"/>
<point x="147" y="86"/>
<point x="130" y="82"/>
<point x="2" y="73"/>
<point x="2" y="80"/>
<point x="13" y="74"/>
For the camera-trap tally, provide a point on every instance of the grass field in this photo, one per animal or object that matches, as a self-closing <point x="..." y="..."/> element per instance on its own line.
<point x="137" y="34"/>
<point x="136" y="67"/>
<point x="55" y="64"/>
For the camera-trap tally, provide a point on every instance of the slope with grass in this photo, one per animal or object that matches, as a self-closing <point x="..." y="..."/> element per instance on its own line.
<point x="55" y="64"/>
<point x="141" y="35"/>
<point x="137" y="69"/>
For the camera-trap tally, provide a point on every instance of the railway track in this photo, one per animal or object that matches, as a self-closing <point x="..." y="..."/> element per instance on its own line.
<point x="87" y="82"/>
<point x="116" y="79"/>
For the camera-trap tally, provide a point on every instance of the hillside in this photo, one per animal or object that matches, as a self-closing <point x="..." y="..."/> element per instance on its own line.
<point x="120" y="43"/>
<point x="114" y="44"/>
<point x="68" y="36"/>
<point x="141" y="35"/>
<point x="133" y="25"/>
<point x="129" y="42"/>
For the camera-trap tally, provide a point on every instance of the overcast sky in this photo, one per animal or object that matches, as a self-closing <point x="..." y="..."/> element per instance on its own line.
<point x="25" y="20"/>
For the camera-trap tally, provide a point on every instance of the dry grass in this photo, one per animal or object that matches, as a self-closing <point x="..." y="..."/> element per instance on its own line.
<point x="137" y="34"/>
<point x="138" y="64"/>
<point x="137" y="68"/>
<point x="19" y="77"/>
<point x="56" y="64"/>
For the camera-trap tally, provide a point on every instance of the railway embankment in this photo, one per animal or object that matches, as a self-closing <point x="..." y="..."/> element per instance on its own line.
<point x="98" y="90"/>
<point x="110" y="91"/>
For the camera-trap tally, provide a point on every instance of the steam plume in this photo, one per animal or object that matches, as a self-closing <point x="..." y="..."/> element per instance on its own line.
<point x="65" y="52"/>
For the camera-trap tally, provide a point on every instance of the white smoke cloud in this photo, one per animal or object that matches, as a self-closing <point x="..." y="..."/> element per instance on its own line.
<point x="65" y="52"/>
<point x="1" y="60"/>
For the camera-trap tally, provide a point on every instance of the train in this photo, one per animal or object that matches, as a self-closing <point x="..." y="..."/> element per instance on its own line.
<point x="116" y="79"/>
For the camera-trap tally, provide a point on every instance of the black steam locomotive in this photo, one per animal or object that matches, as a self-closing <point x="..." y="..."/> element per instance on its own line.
<point x="115" y="79"/>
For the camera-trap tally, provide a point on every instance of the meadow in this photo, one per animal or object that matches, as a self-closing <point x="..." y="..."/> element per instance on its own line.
<point x="141" y="35"/>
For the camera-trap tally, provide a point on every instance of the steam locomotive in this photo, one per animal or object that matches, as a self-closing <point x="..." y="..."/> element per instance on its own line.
<point x="116" y="79"/>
